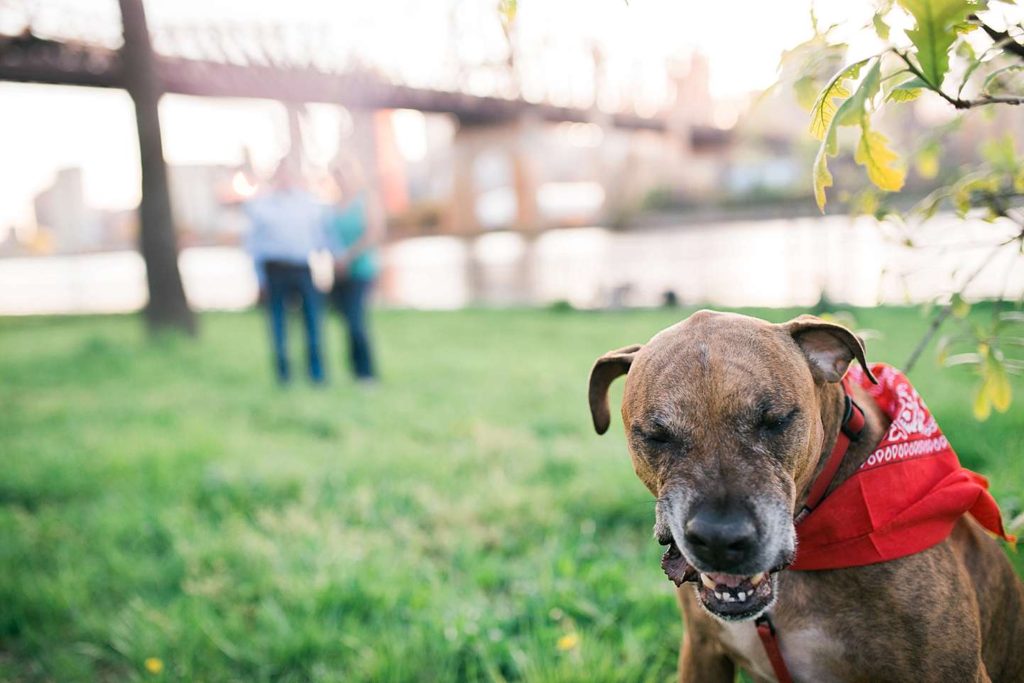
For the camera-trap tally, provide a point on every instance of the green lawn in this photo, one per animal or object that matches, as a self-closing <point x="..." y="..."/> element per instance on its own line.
<point x="461" y="521"/>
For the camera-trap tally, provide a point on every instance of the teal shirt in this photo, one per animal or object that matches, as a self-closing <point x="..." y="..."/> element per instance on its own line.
<point x="345" y="227"/>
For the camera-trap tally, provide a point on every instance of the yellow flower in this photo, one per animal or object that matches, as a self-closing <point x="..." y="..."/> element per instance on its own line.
<point x="154" y="665"/>
<point x="568" y="642"/>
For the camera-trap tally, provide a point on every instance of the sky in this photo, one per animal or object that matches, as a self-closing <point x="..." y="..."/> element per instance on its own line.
<point x="45" y="128"/>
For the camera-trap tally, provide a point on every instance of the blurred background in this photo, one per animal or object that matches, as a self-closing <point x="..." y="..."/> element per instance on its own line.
<point x="598" y="154"/>
<point x="556" y="179"/>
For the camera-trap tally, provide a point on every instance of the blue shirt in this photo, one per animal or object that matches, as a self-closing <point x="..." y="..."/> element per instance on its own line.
<point x="286" y="226"/>
<point x="345" y="227"/>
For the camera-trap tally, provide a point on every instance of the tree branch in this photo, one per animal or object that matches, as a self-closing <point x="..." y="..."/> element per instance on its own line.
<point x="1008" y="43"/>
<point x="987" y="99"/>
<point x="937" y="321"/>
<point x="957" y="102"/>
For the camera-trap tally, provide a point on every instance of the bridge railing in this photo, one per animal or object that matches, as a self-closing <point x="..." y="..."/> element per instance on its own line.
<point x="319" y="47"/>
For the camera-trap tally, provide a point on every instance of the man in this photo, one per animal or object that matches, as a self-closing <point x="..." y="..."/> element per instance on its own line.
<point x="287" y="226"/>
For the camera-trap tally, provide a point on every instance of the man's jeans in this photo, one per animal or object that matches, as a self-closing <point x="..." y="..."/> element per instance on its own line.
<point x="285" y="283"/>
<point x="350" y="296"/>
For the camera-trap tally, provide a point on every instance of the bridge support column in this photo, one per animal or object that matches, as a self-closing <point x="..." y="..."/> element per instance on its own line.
<point x="460" y="217"/>
<point x="528" y="143"/>
<point x="361" y="144"/>
<point x="525" y="146"/>
<point x="518" y="142"/>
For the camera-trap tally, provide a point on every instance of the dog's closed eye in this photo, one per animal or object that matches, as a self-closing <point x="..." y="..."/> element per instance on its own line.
<point x="657" y="432"/>
<point x="658" y="437"/>
<point x="776" y="422"/>
<point x="652" y="436"/>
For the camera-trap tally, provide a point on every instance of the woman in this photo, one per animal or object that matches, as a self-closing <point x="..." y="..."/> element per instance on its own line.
<point x="355" y="228"/>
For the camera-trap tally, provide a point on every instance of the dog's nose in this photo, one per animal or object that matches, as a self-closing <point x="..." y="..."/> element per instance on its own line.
<point x="722" y="540"/>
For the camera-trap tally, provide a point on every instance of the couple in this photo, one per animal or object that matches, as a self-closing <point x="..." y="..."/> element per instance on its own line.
<point x="288" y="224"/>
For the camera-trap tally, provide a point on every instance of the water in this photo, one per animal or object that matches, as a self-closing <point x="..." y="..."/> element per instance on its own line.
<point x="786" y="262"/>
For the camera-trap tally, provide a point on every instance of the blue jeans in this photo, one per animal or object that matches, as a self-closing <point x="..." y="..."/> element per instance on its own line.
<point x="285" y="283"/>
<point x="350" y="296"/>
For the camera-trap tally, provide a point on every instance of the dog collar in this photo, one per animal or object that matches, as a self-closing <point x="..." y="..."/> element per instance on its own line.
<point x="852" y="425"/>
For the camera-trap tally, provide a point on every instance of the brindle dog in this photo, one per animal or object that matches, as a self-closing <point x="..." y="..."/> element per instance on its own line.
<point x="728" y="420"/>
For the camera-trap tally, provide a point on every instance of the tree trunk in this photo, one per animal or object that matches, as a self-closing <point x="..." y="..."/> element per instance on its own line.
<point x="167" y="307"/>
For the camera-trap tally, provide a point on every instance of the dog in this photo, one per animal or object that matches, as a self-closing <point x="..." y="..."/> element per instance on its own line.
<point x="729" y="419"/>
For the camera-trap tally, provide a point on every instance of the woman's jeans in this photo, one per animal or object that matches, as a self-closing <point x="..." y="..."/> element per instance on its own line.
<point x="350" y="295"/>
<point x="287" y="282"/>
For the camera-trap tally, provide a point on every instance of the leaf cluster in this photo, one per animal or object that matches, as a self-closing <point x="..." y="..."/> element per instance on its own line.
<point x="967" y="54"/>
<point x="935" y="56"/>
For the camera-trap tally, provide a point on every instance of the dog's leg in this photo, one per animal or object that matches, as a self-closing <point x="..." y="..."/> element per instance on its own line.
<point x="699" y="663"/>
<point x="701" y="659"/>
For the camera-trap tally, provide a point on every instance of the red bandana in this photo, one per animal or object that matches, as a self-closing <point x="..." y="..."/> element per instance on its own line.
<point x="905" y="498"/>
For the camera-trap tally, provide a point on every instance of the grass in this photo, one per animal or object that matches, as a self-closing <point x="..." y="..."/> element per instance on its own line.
<point x="164" y="501"/>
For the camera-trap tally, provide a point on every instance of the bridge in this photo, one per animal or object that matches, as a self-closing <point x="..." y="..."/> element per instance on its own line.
<point x="30" y="58"/>
<point x="297" y="64"/>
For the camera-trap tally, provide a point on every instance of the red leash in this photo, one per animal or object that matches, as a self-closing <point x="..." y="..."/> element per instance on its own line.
<point x="853" y="423"/>
<point x="766" y="631"/>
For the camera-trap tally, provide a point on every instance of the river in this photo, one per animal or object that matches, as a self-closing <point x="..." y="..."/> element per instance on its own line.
<point x="783" y="262"/>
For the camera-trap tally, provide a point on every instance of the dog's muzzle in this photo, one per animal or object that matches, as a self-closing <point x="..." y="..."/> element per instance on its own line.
<point x="729" y="597"/>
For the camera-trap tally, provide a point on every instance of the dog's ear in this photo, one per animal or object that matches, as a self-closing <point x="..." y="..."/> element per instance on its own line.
<point x="829" y="348"/>
<point x="609" y="366"/>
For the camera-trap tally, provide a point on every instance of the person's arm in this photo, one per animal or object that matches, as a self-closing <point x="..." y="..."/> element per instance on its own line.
<point x="253" y="245"/>
<point x="331" y="242"/>
<point x="373" y="235"/>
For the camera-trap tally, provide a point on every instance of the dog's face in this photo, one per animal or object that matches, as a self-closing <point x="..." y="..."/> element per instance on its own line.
<point x="723" y="419"/>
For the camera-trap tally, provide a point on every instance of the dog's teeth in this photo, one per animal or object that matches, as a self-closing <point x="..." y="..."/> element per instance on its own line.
<point x="756" y="581"/>
<point x="707" y="581"/>
<point x="742" y="596"/>
<point x="719" y="595"/>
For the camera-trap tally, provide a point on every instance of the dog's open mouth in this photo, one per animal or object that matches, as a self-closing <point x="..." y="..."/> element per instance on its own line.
<point x="727" y="596"/>
<point x="736" y="597"/>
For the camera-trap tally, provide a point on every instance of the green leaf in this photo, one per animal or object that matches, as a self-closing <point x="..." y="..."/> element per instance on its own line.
<point x="854" y="109"/>
<point x="973" y="64"/>
<point x="902" y="94"/>
<point x="907" y="90"/>
<point x="926" y="162"/>
<point x="999" y="390"/>
<point x="847" y="113"/>
<point x="507" y="9"/>
<point x="935" y="32"/>
<point x="881" y="28"/>
<point x="959" y="307"/>
<point x="982" y="407"/>
<point x="824" y="109"/>
<point x="1001" y="153"/>
<point x="822" y="177"/>
<point x="997" y="73"/>
<point x="880" y="162"/>
<point x="806" y="91"/>
<point x="942" y="352"/>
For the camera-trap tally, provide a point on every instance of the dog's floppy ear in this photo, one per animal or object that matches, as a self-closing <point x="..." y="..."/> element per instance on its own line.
<point x="829" y="348"/>
<point x="609" y="366"/>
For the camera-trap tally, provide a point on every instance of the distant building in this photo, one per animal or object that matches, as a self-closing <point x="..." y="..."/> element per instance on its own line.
<point x="197" y="198"/>
<point x="61" y="211"/>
